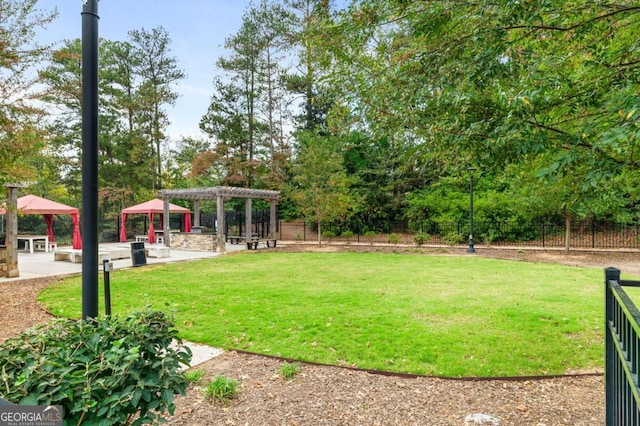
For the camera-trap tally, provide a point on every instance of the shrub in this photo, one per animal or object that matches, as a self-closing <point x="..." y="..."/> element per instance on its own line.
<point x="394" y="238"/>
<point x="221" y="389"/>
<point x="107" y="372"/>
<point x="328" y="234"/>
<point x="347" y="234"/>
<point x="370" y="236"/>
<point x="453" y="238"/>
<point x="420" y="238"/>
<point x="289" y="370"/>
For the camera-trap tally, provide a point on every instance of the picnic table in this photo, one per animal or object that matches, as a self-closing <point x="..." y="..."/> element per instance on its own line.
<point x="253" y="242"/>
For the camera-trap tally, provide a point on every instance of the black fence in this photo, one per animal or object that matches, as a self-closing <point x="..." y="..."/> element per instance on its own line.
<point x="584" y="234"/>
<point x="622" y="352"/>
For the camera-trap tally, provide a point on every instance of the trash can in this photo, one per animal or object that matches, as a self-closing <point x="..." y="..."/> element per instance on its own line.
<point x="138" y="258"/>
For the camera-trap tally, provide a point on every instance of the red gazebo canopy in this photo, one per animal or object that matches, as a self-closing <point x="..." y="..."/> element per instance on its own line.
<point x="150" y="208"/>
<point x="32" y="204"/>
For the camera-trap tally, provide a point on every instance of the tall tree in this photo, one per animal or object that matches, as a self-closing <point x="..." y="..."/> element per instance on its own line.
<point x="20" y="118"/>
<point x="158" y="71"/>
<point x="308" y="38"/>
<point x="243" y="67"/>
<point x="227" y="123"/>
<point x="272" y="23"/>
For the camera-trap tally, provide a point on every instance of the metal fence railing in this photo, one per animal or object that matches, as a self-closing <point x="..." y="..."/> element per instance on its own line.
<point x="585" y="234"/>
<point x="622" y="352"/>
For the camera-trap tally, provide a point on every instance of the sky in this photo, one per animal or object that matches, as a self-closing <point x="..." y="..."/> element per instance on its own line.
<point x="197" y="29"/>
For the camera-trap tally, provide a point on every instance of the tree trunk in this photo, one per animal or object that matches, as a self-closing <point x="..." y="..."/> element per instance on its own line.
<point x="567" y="232"/>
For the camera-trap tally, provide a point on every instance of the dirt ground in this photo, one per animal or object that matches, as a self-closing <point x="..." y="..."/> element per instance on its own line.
<point x="325" y="395"/>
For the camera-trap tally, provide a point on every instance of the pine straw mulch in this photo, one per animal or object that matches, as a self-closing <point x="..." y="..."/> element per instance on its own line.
<point x="327" y="395"/>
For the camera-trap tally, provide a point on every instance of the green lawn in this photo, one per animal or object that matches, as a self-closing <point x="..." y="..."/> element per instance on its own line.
<point x="439" y="315"/>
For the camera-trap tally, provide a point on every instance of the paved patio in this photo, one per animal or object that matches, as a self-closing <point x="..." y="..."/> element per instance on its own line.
<point x="40" y="264"/>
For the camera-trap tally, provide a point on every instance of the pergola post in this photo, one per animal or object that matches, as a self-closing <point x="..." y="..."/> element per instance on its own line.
<point x="196" y="213"/>
<point x="11" y="238"/>
<point x="220" y="233"/>
<point x="272" y="219"/>
<point x="166" y="234"/>
<point x="247" y="219"/>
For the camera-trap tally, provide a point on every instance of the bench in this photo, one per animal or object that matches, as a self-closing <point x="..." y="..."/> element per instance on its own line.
<point x="253" y="244"/>
<point x="75" y="255"/>
<point x="40" y="245"/>
<point x="158" y="251"/>
<point x="235" y="239"/>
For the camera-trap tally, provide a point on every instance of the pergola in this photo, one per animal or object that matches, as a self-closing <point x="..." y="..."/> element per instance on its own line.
<point x="220" y="194"/>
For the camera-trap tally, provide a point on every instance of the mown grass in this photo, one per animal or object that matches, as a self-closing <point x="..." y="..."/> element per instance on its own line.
<point x="438" y="315"/>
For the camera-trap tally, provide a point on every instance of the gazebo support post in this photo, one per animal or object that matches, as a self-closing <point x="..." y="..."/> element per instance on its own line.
<point x="221" y="237"/>
<point x="247" y="219"/>
<point x="11" y="238"/>
<point x="272" y="219"/>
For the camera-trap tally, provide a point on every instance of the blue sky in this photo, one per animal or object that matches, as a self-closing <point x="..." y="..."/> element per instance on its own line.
<point x="197" y="29"/>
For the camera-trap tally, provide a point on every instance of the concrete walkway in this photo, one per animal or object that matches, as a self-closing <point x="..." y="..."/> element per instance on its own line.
<point x="41" y="264"/>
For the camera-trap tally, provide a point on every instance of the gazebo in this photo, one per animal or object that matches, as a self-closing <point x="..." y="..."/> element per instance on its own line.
<point x="220" y="194"/>
<point x="32" y="204"/>
<point x="151" y="208"/>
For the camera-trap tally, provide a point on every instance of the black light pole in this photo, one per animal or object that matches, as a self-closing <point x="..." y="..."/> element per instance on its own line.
<point x="89" y="159"/>
<point x="471" y="170"/>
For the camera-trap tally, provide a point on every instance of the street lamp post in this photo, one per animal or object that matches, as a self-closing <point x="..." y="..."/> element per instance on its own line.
<point x="471" y="171"/>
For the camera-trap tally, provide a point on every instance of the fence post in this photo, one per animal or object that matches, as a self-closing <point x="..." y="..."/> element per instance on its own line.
<point x="610" y="274"/>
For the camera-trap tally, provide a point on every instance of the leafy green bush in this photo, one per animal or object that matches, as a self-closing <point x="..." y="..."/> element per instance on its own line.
<point x="104" y="372"/>
<point x="328" y="234"/>
<point x="453" y="238"/>
<point x="221" y="389"/>
<point x="347" y="234"/>
<point x="394" y="238"/>
<point x="420" y="238"/>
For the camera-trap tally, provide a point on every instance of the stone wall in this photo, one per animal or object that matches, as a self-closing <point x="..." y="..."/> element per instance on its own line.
<point x="3" y="261"/>
<point x="194" y="241"/>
